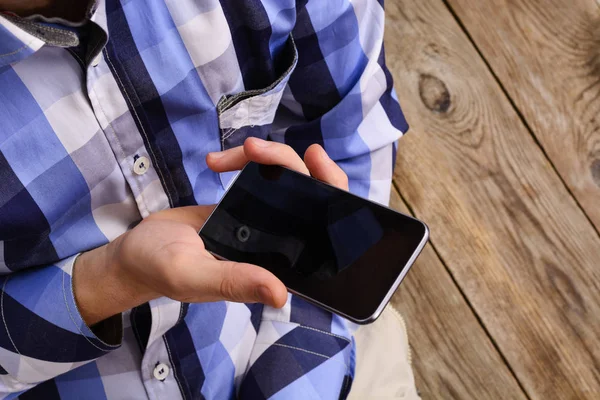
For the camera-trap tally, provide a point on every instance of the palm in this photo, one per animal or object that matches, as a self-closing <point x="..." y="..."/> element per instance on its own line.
<point x="165" y="252"/>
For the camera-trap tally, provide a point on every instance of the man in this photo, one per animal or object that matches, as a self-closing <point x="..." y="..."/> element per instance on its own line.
<point x="117" y="112"/>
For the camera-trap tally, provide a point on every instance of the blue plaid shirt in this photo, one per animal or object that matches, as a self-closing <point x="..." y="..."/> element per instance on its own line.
<point x="103" y="124"/>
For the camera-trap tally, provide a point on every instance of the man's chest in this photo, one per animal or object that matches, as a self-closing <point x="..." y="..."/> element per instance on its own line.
<point x="95" y="137"/>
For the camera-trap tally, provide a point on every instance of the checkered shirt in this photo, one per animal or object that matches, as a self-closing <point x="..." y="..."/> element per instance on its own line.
<point x="105" y="124"/>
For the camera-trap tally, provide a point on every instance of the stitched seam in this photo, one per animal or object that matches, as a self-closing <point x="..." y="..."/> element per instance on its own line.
<point x="62" y="41"/>
<point x="120" y="147"/>
<point x="154" y="327"/>
<point x="3" y="319"/>
<point x="180" y="318"/>
<point x="44" y="28"/>
<point x="300" y="349"/>
<point x="324" y="332"/>
<point x="6" y="326"/>
<point x="141" y="126"/>
<point x="16" y="51"/>
<point x="227" y="134"/>
<point x="23" y="359"/>
<point x="21" y="48"/>
<point x="73" y="320"/>
<point x="226" y="103"/>
<point x="174" y="369"/>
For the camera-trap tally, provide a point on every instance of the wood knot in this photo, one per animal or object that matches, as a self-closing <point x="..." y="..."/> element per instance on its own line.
<point x="591" y="45"/>
<point x="563" y="285"/>
<point x="595" y="169"/>
<point x="434" y="93"/>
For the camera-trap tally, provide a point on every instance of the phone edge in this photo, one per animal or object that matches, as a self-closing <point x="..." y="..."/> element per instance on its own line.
<point x="393" y="288"/>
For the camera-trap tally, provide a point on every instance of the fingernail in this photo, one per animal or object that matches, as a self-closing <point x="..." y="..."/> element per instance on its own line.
<point x="324" y="155"/>
<point x="261" y="143"/>
<point x="265" y="295"/>
<point x="216" y="155"/>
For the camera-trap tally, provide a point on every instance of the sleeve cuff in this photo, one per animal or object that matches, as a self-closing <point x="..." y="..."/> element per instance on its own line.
<point x="42" y="325"/>
<point x="108" y="333"/>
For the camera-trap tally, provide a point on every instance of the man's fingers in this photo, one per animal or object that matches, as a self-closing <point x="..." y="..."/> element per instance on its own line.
<point x="324" y="168"/>
<point x="243" y="283"/>
<point x="232" y="159"/>
<point x="259" y="151"/>
<point x="273" y="153"/>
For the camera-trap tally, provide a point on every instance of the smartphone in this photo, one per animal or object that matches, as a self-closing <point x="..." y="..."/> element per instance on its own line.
<point x="334" y="249"/>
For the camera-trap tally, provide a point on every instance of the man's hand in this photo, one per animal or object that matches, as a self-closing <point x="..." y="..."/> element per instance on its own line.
<point x="165" y="256"/>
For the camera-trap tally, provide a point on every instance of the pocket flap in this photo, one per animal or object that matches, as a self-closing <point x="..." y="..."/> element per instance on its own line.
<point x="257" y="107"/>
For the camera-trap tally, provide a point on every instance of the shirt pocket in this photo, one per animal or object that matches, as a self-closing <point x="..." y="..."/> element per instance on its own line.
<point x="288" y="358"/>
<point x="295" y="347"/>
<point x="251" y="113"/>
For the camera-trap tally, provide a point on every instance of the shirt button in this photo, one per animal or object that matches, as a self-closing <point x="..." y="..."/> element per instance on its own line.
<point x="141" y="165"/>
<point x="161" y="371"/>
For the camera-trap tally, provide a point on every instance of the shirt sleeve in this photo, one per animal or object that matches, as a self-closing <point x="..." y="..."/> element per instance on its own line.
<point x="43" y="334"/>
<point x="341" y="93"/>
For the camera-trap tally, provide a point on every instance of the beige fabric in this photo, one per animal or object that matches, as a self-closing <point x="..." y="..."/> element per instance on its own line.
<point x="383" y="369"/>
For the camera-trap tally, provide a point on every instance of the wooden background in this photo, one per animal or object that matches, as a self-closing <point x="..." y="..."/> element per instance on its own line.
<point x="503" y="163"/>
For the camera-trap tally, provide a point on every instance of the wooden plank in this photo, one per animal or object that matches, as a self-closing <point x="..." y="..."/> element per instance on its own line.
<point x="546" y="53"/>
<point x="517" y="243"/>
<point x="453" y="358"/>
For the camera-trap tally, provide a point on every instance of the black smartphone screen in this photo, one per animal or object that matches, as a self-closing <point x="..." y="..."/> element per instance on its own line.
<point x="328" y="245"/>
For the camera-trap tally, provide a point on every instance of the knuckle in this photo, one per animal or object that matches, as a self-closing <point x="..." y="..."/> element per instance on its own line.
<point x="285" y="150"/>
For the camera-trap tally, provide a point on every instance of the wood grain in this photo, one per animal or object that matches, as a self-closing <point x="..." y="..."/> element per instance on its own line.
<point x="546" y="53"/>
<point x="518" y="245"/>
<point x="453" y="358"/>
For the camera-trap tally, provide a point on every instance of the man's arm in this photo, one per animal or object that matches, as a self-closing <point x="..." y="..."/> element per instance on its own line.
<point x="47" y="311"/>
<point x="56" y="318"/>
<point x="341" y="93"/>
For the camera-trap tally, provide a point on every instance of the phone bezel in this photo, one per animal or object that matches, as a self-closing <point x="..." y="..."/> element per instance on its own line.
<point x="396" y="283"/>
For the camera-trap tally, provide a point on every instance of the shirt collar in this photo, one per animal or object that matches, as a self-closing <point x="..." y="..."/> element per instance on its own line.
<point x="20" y="38"/>
<point x="97" y="15"/>
<point x="16" y="43"/>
